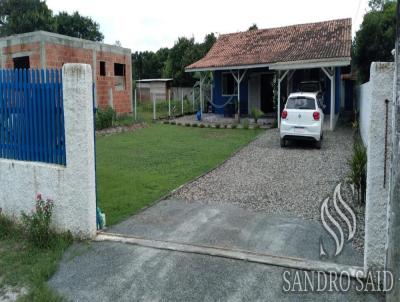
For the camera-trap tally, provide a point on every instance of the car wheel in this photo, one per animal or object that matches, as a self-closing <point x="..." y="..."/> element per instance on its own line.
<point x="283" y="143"/>
<point x="318" y="144"/>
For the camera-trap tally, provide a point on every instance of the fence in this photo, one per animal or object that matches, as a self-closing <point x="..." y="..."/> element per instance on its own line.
<point x="173" y="105"/>
<point x="31" y="116"/>
<point x="45" y="121"/>
<point x="160" y="108"/>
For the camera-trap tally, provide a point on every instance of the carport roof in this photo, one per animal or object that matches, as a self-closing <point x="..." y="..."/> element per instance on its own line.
<point x="328" y="41"/>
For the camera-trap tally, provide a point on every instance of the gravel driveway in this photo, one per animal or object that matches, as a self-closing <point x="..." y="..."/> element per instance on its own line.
<point x="287" y="182"/>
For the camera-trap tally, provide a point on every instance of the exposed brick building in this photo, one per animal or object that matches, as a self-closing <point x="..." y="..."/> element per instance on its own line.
<point x="111" y="65"/>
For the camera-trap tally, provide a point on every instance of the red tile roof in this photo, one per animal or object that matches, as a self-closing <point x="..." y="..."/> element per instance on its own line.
<point x="303" y="42"/>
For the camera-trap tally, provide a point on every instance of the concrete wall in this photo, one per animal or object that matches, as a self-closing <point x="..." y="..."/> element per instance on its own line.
<point x="49" y="50"/>
<point x="393" y="259"/>
<point x="376" y="220"/>
<point x="364" y="109"/>
<point x="176" y="93"/>
<point x="72" y="187"/>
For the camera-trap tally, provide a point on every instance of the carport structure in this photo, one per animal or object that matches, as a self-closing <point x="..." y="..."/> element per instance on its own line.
<point x="257" y="68"/>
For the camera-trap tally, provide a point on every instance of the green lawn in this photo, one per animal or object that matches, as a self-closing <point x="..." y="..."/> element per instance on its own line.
<point x="135" y="169"/>
<point x="23" y="265"/>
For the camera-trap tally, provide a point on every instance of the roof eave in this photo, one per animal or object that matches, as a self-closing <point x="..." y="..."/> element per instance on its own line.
<point x="249" y="66"/>
<point x="306" y="64"/>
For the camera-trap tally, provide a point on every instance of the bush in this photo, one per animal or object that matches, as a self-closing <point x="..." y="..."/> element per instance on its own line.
<point x="256" y="114"/>
<point x="7" y="226"/>
<point x="217" y="126"/>
<point x="234" y="126"/>
<point x="201" y="126"/>
<point x="187" y="124"/>
<point x="194" y="125"/>
<point x="105" y="118"/>
<point x="357" y="174"/>
<point x="37" y="224"/>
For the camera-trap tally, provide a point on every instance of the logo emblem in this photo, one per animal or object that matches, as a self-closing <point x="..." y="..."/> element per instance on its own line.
<point x="334" y="227"/>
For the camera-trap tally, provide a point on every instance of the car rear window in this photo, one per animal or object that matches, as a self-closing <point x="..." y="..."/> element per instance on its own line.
<point x="301" y="103"/>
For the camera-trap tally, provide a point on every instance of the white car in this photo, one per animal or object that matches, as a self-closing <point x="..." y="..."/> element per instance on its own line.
<point x="302" y="118"/>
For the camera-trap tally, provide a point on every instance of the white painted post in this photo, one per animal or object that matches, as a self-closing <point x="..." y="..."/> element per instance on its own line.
<point x="135" y="105"/>
<point x="154" y="107"/>
<point x="182" y="101"/>
<point x="280" y="79"/>
<point x="193" y="99"/>
<point x="169" y="103"/>
<point x="201" y="94"/>
<point x="238" y="84"/>
<point x="279" y="101"/>
<point x="332" y="117"/>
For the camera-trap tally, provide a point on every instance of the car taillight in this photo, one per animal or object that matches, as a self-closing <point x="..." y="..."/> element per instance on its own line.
<point x="316" y="115"/>
<point x="284" y="114"/>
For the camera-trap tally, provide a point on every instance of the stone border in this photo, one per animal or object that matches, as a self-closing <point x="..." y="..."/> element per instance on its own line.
<point x="215" y="125"/>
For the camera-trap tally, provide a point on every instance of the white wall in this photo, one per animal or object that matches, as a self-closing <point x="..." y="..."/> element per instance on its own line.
<point x="72" y="187"/>
<point x="364" y="109"/>
<point x="176" y="93"/>
<point x="376" y="215"/>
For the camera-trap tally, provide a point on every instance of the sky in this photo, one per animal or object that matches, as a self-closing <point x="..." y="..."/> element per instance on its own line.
<point x="152" y="24"/>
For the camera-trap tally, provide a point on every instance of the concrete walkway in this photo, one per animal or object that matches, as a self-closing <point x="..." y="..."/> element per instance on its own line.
<point x="123" y="272"/>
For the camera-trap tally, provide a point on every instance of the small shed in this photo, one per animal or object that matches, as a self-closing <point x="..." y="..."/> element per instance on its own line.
<point x="147" y="89"/>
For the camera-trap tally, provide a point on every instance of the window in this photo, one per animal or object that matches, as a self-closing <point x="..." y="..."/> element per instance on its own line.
<point x="228" y="84"/>
<point x="21" y="62"/>
<point x="301" y="103"/>
<point x="119" y="69"/>
<point x="119" y="73"/>
<point x="102" y="68"/>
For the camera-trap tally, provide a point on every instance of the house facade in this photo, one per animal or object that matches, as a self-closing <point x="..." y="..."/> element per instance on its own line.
<point x="257" y="68"/>
<point x="111" y="65"/>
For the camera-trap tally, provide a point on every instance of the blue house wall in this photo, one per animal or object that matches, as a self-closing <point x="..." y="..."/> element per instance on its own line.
<point x="220" y="99"/>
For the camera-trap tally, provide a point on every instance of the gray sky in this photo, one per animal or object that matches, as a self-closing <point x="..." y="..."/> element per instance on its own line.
<point x="151" y="24"/>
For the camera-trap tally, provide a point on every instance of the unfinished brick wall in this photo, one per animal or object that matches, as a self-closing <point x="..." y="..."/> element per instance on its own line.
<point x="33" y="49"/>
<point x="121" y="99"/>
<point x="57" y="54"/>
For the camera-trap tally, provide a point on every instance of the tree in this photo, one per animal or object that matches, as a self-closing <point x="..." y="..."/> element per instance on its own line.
<point x="171" y="63"/>
<point x="20" y="16"/>
<point x="253" y="27"/>
<point x="183" y="53"/>
<point x="78" y="26"/>
<point x="209" y="41"/>
<point x="149" y="64"/>
<point x="376" y="38"/>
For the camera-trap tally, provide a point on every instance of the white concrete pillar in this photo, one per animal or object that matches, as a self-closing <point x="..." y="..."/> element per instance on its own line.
<point x="76" y="207"/>
<point x="378" y="150"/>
